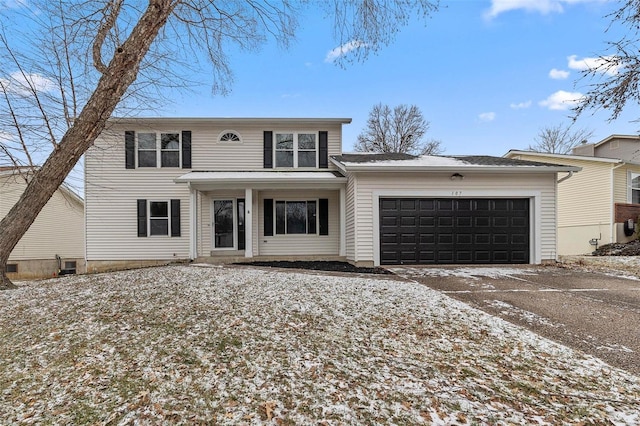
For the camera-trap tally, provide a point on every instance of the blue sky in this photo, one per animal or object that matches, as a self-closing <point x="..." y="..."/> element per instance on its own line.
<point x="487" y="74"/>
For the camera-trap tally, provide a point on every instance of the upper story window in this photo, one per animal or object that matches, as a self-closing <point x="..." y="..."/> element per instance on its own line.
<point x="229" y="136"/>
<point x="157" y="149"/>
<point x="634" y="188"/>
<point x="296" y="149"/>
<point x="168" y="154"/>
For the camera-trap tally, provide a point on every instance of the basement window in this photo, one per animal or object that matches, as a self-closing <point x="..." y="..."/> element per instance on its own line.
<point x="11" y="268"/>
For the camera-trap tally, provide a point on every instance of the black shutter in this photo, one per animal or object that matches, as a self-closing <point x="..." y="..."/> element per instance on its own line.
<point x="142" y="218"/>
<point x="175" y="218"/>
<point x="268" y="217"/>
<point x="323" y="150"/>
<point x="130" y="149"/>
<point x="186" y="149"/>
<point x="323" y="213"/>
<point x="268" y="150"/>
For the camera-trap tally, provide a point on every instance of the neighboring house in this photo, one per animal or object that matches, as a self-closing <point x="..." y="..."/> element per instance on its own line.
<point x="594" y="205"/>
<point x="55" y="240"/>
<point x="165" y="189"/>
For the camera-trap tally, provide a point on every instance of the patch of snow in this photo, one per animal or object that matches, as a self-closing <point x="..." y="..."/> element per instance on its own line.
<point x="186" y="345"/>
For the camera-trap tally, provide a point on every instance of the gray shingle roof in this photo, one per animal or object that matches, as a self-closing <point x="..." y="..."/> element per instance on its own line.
<point x="372" y="157"/>
<point x="487" y="160"/>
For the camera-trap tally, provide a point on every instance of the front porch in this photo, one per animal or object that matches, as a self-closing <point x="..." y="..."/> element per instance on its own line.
<point x="237" y="216"/>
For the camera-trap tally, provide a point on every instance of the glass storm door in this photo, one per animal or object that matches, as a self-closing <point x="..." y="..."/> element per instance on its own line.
<point x="223" y="224"/>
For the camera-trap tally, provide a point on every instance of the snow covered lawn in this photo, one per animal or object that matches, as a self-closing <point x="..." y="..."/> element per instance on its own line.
<point x="185" y="344"/>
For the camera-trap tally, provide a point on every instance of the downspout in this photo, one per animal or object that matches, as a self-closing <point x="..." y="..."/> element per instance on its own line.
<point x="562" y="179"/>
<point x="612" y="204"/>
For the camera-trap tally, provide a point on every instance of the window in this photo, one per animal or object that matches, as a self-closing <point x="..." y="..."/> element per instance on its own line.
<point x="147" y="150"/>
<point x="11" y="268"/>
<point x="635" y="188"/>
<point x="150" y="156"/>
<point x="170" y="144"/>
<point x="296" y="149"/>
<point x="296" y="217"/>
<point x="229" y="136"/>
<point x="158" y="218"/>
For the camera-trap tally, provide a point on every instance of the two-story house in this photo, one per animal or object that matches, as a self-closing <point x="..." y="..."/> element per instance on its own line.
<point x="162" y="189"/>
<point x="601" y="204"/>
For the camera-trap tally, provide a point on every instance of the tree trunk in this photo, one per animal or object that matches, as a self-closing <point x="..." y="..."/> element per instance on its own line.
<point x="118" y="76"/>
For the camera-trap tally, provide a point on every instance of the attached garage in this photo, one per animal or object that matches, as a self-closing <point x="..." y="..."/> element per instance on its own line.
<point x="433" y="210"/>
<point x="454" y="230"/>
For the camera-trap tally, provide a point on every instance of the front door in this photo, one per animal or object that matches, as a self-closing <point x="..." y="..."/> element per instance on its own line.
<point x="223" y="224"/>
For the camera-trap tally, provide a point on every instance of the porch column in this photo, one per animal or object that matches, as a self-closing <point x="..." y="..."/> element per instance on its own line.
<point x="248" y="222"/>
<point x="193" y="223"/>
<point x="343" y="222"/>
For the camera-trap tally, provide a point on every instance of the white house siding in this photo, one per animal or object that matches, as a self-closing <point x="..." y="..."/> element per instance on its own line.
<point x="111" y="190"/>
<point x="440" y="185"/>
<point x="247" y="155"/>
<point x="299" y="245"/>
<point x="111" y="194"/>
<point x="350" y="225"/>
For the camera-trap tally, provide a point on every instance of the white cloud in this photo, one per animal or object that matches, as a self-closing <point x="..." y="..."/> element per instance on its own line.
<point x="540" y="6"/>
<point x="19" y="84"/>
<point x="339" y="51"/>
<point x="486" y="117"/>
<point x="561" y="100"/>
<point x="596" y="64"/>
<point x="13" y="4"/>
<point x="557" y="74"/>
<point x="521" y="105"/>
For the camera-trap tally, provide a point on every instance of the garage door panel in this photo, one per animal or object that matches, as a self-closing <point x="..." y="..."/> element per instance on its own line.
<point x="427" y="231"/>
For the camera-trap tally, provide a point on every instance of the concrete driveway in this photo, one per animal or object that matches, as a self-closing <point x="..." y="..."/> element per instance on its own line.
<point x="594" y="312"/>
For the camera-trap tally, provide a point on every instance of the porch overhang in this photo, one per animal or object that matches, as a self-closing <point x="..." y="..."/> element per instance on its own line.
<point x="209" y="181"/>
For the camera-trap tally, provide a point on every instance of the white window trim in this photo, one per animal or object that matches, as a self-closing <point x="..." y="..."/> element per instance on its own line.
<point x="224" y="132"/>
<point x="630" y="188"/>
<point x="295" y="149"/>
<point x="159" y="149"/>
<point x="289" y="200"/>
<point x="168" y="234"/>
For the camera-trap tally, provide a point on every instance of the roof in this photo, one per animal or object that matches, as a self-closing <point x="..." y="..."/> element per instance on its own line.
<point x="13" y="170"/>
<point x="611" y="137"/>
<point x="406" y="162"/>
<point x="564" y="156"/>
<point x="230" y="120"/>
<point x="204" y="180"/>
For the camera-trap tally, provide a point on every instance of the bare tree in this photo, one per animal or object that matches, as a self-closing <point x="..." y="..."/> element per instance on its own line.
<point x="99" y="53"/>
<point x="399" y="130"/>
<point x="613" y="78"/>
<point x="559" y="139"/>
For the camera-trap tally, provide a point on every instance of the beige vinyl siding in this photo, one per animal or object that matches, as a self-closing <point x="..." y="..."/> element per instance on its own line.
<point x="621" y="182"/>
<point x="58" y="229"/>
<point x="423" y="184"/>
<point x="304" y="244"/>
<point x="584" y="198"/>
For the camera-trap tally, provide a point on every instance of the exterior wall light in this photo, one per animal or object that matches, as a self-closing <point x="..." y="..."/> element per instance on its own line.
<point x="457" y="176"/>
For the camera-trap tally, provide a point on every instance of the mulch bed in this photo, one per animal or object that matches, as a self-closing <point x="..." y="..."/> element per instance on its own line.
<point x="632" y="248"/>
<point x="320" y="266"/>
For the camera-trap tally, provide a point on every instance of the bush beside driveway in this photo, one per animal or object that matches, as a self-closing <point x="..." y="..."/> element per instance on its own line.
<point x="185" y="345"/>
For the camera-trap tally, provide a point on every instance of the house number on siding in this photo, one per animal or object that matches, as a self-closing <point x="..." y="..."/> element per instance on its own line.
<point x="456" y="193"/>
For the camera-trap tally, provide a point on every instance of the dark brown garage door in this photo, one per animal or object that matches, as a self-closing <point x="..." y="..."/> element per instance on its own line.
<point x="444" y="231"/>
